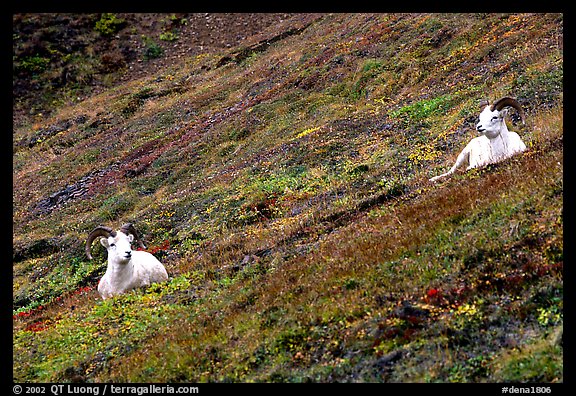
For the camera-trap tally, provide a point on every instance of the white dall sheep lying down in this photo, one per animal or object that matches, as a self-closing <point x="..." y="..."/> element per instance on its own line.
<point x="127" y="268"/>
<point x="496" y="142"/>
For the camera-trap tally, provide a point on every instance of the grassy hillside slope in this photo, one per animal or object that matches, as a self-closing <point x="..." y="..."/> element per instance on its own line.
<point x="283" y="181"/>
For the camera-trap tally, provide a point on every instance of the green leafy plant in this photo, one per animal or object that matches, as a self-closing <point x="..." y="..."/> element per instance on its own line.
<point x="549" y="316"/>
<point x="152" y="50"/>
<point x="421" y="110"/>
<point x="33" y="64"/>
<point x="109" y="24"/>
<point x="168" y="36"/>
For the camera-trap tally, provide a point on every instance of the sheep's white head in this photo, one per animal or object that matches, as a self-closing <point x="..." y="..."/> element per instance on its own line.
<point x="119" y="247"/>
<point x="491" y="120"/>
<point x="118" y="244"/>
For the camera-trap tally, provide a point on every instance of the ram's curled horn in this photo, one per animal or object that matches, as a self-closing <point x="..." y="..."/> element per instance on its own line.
<point x="128" y="228"/>
<point x="96" y="232"/>
<point x="483" y="103"/>
<point x="507" y="101"/>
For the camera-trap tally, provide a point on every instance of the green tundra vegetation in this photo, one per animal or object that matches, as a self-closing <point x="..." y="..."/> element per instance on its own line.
<point x="283" y="182"/>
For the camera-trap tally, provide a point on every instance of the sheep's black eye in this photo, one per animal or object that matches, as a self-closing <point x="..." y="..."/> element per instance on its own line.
<point x="112" y="244"/>
<point x="494" y="118"/>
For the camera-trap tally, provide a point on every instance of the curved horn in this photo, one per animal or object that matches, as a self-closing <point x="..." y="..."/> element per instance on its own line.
<point x="483" y="103"/>
<point x="128" y="228"/>
<point x="507" y="101"/>
<point x="96" y="232"/>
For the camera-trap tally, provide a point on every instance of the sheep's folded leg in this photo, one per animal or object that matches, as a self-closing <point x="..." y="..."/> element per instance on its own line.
<point x="461" y="160"/>
<point x="436" y="178"/>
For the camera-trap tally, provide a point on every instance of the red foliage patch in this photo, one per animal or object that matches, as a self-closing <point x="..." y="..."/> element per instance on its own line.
<point x="35" y="311"/>
<point x="159" y="248"/>
<point x="25" y="314"/>
<point x="38" y="326"/>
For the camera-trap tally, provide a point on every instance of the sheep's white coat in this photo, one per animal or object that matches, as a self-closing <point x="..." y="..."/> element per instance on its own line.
<point x="128" y="269"/>
<point x="495" y="144"/>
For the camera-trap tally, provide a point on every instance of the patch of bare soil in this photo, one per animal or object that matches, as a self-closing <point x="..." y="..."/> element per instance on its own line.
<point x="57" y="55"/>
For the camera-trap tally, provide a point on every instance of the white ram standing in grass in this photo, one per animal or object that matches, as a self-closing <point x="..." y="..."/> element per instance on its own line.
<point x="127" y="269"/>
<point x="496" y="142"/>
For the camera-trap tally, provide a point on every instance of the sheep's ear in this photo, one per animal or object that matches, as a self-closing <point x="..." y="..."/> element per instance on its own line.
<point x="130" y="237"/>
<point x="104" y="242"/>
